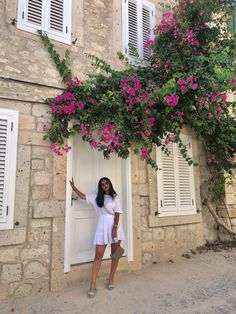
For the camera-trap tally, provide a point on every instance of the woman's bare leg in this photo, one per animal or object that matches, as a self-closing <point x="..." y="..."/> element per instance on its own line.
<point x="100" y="249"/>
<point x="114" y="263"/>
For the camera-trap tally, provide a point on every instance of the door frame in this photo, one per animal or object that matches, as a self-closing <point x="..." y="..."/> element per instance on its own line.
<point x="129" y="216"/>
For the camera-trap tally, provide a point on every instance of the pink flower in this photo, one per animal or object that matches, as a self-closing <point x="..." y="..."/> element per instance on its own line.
<point x="172" y="100"/>
<point x="80" y="105"/>
<point x="144" y="152"/>
<point x="194" y="86"/>
<point x="94" y="144"/>
<point x="183" y="89"/>
<point x="182" y="82"/>
<point x="209" y="115"/>
<point x="66" y="148"/>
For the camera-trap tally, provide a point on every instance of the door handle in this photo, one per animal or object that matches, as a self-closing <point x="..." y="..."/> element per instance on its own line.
<point x="73" y="197"/>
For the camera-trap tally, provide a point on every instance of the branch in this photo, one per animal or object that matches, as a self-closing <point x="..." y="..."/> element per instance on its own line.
<point x="218" y="220"/>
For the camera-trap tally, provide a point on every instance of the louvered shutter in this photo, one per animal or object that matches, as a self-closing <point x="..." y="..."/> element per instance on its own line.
<point x="131" y="31"/>
<point x="8" y="143"/>
<point x="175" y="181"/>
<point x="52" y="16"/>
<point x="185" y="177"/>
<point x="138" y="23"/>
<point x="167" y="184"/>
<point x="148" y="24"/>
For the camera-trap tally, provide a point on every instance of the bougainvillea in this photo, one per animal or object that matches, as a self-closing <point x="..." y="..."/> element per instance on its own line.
<point x="186" y="82"/>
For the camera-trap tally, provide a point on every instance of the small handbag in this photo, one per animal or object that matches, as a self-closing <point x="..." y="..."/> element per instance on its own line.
<point x="118" y="253"/>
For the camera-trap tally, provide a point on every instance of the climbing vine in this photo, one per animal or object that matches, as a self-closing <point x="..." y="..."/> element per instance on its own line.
<point x="186" y="81"/>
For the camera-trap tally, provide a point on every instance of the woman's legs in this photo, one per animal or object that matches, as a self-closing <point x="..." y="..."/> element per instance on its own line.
<point x="100" y="249"/>
<point x="114" y="263"/>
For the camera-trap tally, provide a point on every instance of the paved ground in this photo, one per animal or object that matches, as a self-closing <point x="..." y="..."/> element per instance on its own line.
<point x="203" y="284"/>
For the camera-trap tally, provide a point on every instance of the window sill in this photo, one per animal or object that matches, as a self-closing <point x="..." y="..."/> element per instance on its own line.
<point x="155" y="221"/>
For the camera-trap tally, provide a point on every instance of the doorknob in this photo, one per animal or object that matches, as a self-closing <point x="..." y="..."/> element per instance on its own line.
<point x="74" y="197"/>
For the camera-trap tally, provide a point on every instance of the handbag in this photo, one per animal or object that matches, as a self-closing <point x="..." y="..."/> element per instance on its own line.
<point x="118" y="253"/>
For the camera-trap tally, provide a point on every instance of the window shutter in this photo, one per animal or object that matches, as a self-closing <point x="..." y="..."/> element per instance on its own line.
<point x="138" y="25"/>
<point x="132" y="28"/>
<point x="52" y="16"/>
<point x="8" y="148"/>
<point x="34" y="12"/>
<point x="185" y="177"/>
<point x="167" y="197"/>
<point x="175" y="181"/>
<point x="148" y="23"/>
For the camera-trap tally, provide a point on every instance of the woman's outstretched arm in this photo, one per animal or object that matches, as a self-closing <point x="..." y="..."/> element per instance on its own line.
<point x="80" y="194"/>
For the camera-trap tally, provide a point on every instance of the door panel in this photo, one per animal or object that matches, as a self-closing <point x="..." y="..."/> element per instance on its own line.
<point x="88" y="167"/>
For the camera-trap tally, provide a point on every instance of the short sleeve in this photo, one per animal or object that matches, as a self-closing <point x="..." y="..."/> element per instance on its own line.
<point x="91" y="199"/>
<point x="117" y="208"/>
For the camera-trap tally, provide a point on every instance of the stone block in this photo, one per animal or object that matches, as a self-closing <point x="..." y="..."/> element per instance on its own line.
<point x="146" y="236"/>
<point x="40" y="253"/>
<point x="41" y="178"/>
<point x="41" y="192"/>
<point x="35" y="270"/>
<point x="49" y="208"/>
<point x="143" y="189"/>
<point x="11" y="272"/>
<point x="158" y="234"/>
<point x="39" y="235"/>
<point x="40" y="110"/>
<point x="147" y="258"/>
<point x="59" y="177"/>
<point x="9" y="254"/>
<point x="11" y="237"/>
<point x="43" y="124"/>
<point x="170" y="233"/>
<point x="19" y="106"/>
<point x="41" y="286"/>
<point x="40" y="223"/>
<point x="57" y="263"/>
<point x="26" y="122"/>
<point x="37" y="164"/>
<point x="32" y="138"/>
<point x="22" y="185"/>
<point x="39" y="152"/>
<point x="23" y="290"/>
<point x="134" y="168"/>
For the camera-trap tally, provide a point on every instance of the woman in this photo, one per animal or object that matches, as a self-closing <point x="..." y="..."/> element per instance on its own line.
<point x="108" y="230"/>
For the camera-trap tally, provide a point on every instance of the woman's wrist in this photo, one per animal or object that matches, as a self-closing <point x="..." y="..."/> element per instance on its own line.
<point x="115" y="226"/>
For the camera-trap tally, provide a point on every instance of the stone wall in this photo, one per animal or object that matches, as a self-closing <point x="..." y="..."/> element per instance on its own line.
<point x="31" y="255"/>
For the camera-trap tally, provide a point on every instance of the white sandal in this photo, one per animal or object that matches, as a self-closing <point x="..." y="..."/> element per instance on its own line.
<point x="110" y="286"/>
<point x="91" y="293"/>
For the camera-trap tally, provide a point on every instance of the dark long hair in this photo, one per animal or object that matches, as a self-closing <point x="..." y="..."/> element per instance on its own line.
<point x="101" y="193"/>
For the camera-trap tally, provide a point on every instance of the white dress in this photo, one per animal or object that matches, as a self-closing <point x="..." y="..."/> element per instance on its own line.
<point x="103" y="233"/>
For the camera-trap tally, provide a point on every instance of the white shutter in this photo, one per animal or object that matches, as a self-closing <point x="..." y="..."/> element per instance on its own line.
<point x="138" y="24"/>
<point x="4" y="148"/>
<point x="175" y="181"/>
<point x="185" y="177"/>
<point x="148" y="23"/>
<point x="167" y="192"/>
<point x="52" y="16"/>
<point x="8" y="148"/>
<point x="34" y="9"/>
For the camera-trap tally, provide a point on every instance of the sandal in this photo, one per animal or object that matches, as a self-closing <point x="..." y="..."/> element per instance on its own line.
<point x="91" y="293"/>
<point x="111" y="286"/>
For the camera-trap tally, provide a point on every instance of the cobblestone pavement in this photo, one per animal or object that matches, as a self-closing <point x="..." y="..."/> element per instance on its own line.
<point x="202" y="284"/>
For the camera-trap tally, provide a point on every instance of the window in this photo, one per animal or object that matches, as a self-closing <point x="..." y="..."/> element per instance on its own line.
<point x="138" y="23"/>
<point x="175" y="181"/>
<point x="8" y="149"/>
<point x="52" y="16"/>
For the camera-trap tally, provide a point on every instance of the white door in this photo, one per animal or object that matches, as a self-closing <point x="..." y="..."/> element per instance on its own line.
<point x="88" y="167"/>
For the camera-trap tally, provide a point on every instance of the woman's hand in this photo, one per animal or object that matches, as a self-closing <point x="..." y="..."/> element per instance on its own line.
<point x="72" y="184"/>
<point x="77" y="191"/>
